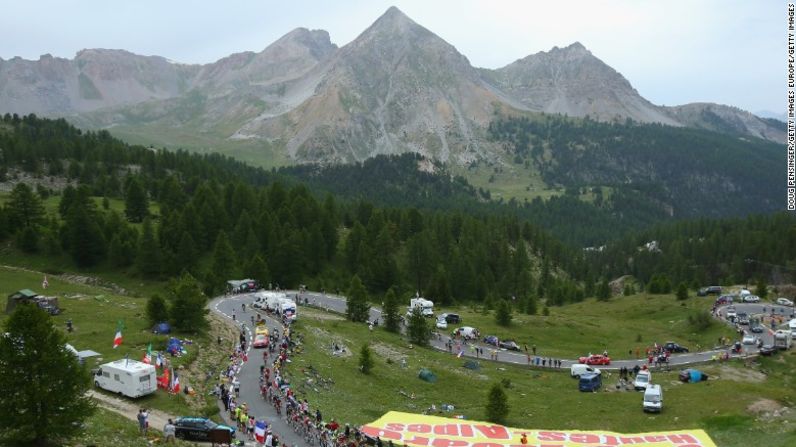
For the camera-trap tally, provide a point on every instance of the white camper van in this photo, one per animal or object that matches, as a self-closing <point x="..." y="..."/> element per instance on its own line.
<point x="272" y="300"/>
<point x="653" y="399"/>
<point x="130" y="378"/>
<point x="287" y="308"/>
<point x="426" y="306"/>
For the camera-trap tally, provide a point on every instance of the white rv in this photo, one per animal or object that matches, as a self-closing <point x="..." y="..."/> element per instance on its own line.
<point x="130" y="378"/>
<point x="426" y="307"/>
<point x="287" y="308"/>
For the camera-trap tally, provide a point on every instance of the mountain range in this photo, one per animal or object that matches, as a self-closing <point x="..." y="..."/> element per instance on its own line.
<point x="396" y="88"/>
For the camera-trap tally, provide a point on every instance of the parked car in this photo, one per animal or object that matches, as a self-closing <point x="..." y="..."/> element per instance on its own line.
<point x="590" y="382"/>
<point x="579" y="369"/>
<point x="442" y="324"/>
<point x="767" y="350"/>
<point x="674" y="347"/>
<point x="491" y="340"/>
<point x="751" y="299"/>
<point x="725" y="299"/>
<point x="710" y="290"/>
<point x="198" y="428"/>
<point x="749" y="339"/>
<point x="595" y="359"/>
<point x="784" y="302"/>
<point x="49" y="308"/>
<point x="511" y="345"/>
<point x="642" y="380"/>
<point x="692" y="375"/>
<point x="467" y="333"/>
<point x="260" y="341"/>
<point x="653" y="399"/>
<point x="451" y="318"/>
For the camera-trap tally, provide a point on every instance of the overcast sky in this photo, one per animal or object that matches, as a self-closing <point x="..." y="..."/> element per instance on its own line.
<point x="672" y="51"/>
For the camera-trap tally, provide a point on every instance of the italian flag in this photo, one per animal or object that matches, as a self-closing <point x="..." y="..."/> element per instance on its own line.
<point x="148" y="355"/>
<point x="117" y="340"/>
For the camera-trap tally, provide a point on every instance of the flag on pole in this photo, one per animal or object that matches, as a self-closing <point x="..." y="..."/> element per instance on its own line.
<point x="117" y="340"/>
<point x="259" y="431"/>
<point x="148" y="355"/>
<point x="175" y="388"/>
<point x="159" y="361"/>
<point x="459" y="355"/>
<point x="45" y="283"/>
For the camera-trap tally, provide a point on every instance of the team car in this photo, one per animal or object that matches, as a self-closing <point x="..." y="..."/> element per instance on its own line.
<point x="260" y="341"/>
<point x="198" y="428"/>
<point x="595" y="359"/>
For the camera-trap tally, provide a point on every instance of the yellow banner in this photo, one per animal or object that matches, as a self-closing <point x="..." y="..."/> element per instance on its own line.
<point x="432" y="431"/>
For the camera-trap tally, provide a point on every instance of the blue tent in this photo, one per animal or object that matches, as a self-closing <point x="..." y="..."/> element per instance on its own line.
<point x="175" y="347"/>
<point x="162" y="328"/>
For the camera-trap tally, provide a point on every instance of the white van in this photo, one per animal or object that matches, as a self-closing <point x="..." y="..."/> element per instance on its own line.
<point x="287" y="308"/>
<point x="653" y="399"/>
<point x="467" y="333"/>
<point x="130" y="378"/>
<point x="579" y="369"/>
<point x="642" y="380"/>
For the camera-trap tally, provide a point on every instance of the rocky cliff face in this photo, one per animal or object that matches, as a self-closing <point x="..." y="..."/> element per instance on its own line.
<point x="571" y="81"/>
<point x="93" y="80"/>
<point x="396" y="88"/>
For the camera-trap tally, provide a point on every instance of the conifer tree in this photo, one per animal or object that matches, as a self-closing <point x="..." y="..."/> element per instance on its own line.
<point x="497" y="404"/>
<point x="43" y="386"/>
<point x="357" y="309"/>
<point x="149" y="258"/>
<point x="136" y="202"/>
<point x="418" y="329"/>
<point x="391" y="312"/>
<point x="365" y="359"/>
<point x="503" y="313"/>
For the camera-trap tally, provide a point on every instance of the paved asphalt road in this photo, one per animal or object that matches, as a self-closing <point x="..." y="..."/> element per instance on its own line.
<point x="249" y="374"/>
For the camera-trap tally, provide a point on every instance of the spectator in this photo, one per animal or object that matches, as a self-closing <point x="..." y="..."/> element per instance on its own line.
<point x="169" y="431"/>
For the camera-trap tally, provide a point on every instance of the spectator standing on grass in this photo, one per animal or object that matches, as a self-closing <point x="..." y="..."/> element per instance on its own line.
<point x="533" y="348"/>
<point x="169" y="431"/>
<point x="141" y="422"/>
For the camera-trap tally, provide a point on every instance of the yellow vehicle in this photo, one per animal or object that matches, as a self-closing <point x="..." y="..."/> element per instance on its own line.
<point x="261" y="329"/>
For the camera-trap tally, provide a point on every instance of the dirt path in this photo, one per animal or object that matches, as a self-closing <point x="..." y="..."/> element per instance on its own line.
<point x="157" y="418"/>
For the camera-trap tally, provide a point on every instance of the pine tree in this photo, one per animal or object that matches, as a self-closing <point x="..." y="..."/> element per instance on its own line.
<point x="365" y="359"/>
<point x="257" y="269"/>
<point x="156" y="309"/>
<point x="497" y="404"/>
<point x="531" y="305"/>
<point x="391" y="312"/>
<point x="149" y="257"/>
<point x="418" y="329"/>
<point x="187" y="305"/>
<point x="603" y="291"/>
<point x="187" y="253"/>
<point x="43" y="387"/>
<point x="358" y="309"/>
<point x="682" y="292"/>
<point x="761" y="289"/>
<point x="26" y="215"/>
<point x="224" y="263"/>
<point x="82" y="235"/>
<point x="136" y="202"/>
<point x="503" y="313"/>
<point x="439" y="289"/>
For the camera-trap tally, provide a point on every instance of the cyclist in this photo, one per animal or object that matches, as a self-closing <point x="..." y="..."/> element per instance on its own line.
<point x="243" y="307"/>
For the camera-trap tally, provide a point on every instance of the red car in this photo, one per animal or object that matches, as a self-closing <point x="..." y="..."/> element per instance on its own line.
<point x="260" y="341"/>
<point x="595" y="359"/>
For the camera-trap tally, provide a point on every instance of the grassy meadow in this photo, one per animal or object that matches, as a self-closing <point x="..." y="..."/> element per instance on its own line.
<point x="732" y="408"/>
<point x="618" y="326"/>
